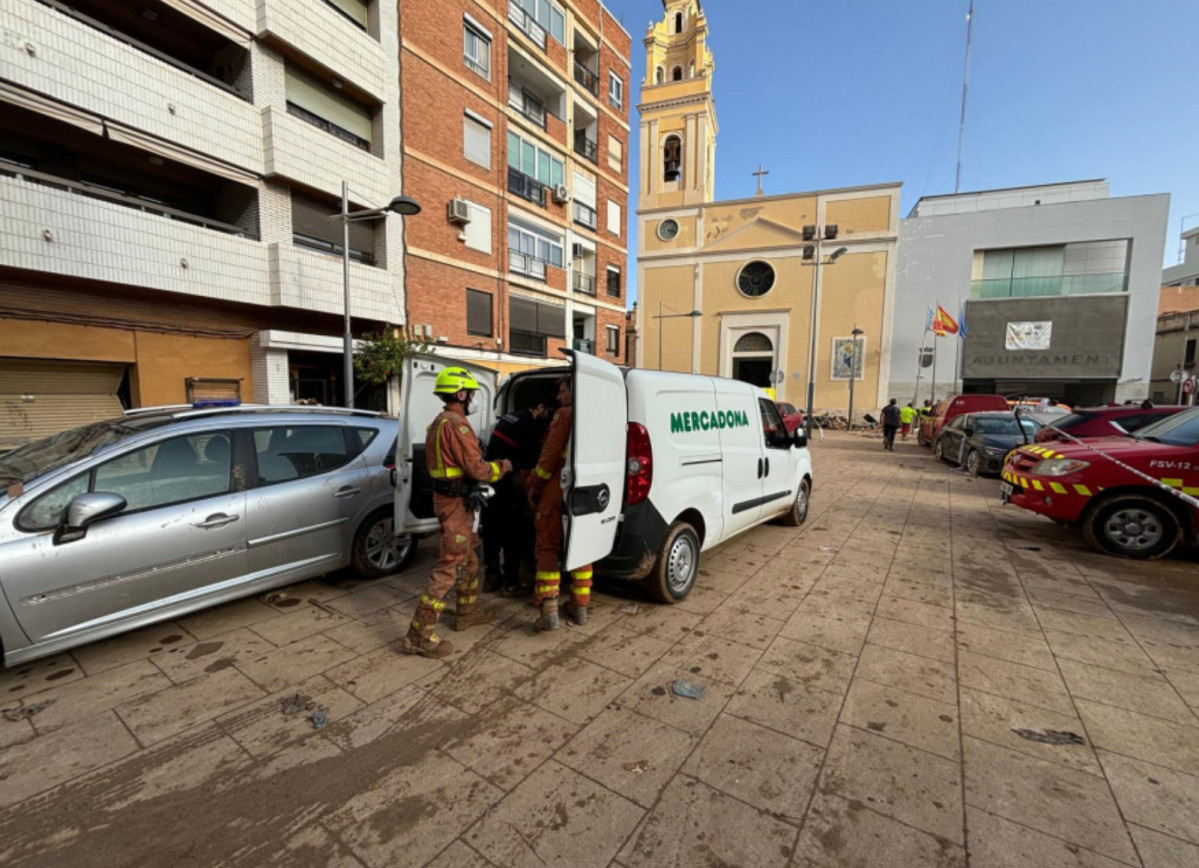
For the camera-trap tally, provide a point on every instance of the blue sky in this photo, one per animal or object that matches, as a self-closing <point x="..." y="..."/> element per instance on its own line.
<point x="829" y="93"/>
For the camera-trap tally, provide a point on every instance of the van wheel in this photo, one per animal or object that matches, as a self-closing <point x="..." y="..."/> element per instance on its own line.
<point x="674" y="572"/>
<point x="798" y="513"/>
<point x="1132" y="526"/>
<point x="377" y="551"/>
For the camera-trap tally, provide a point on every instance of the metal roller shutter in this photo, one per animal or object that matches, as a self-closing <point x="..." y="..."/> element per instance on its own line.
<point x="40" y="398"/>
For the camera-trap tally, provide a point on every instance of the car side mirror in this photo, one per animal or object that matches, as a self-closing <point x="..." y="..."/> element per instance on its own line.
<point x="84" y="511"/>
<point x="800" y="438"/>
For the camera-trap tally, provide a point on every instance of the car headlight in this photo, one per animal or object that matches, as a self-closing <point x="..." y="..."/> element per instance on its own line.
<point x="1059" y="467"/>
<point x="993" y="451"/>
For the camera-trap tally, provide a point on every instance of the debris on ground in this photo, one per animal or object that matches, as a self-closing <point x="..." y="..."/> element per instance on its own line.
<point x="313" y="601"/>
<point x="298" y="702"/>
<point x="273" y="597"/>
<point x="637" y="767"/>
<point x="319" y="718"/>
<point x="1050" y="736"/>
<point x="683" y="687"/>
<point x="18" y="714"/>
<point x="1031" y="548"/>
<point x="828" y="548"/>
<point x="630" y="608"/>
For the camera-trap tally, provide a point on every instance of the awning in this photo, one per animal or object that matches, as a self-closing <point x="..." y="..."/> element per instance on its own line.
<point x="39" y="398"/>
<point x="211" y="20"/>
<point x="168" y="150"/>
<point x="44" y="105"/>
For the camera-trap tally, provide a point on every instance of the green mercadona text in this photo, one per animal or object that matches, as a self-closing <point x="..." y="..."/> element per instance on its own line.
<point x="706" y="421"/>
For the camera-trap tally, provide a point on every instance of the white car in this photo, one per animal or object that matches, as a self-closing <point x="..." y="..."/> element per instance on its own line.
<point x="662" y="466"/>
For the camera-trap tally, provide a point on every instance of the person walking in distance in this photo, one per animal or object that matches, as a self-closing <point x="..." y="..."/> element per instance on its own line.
<point x="456" y="466"/>
<point x="906" y="416"/>
<point x="545" y="499"/>
<point x="891" y="417"/>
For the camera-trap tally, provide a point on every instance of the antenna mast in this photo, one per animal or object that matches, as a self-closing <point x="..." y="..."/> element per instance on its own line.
<point x="957" y="184"/>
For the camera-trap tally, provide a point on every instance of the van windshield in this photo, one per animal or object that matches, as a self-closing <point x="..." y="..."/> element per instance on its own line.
<point x="1181" y="429"/>
<point x="50" y="453"/>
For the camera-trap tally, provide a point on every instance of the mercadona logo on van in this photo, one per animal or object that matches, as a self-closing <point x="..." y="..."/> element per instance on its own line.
<point x="706" y="421"/>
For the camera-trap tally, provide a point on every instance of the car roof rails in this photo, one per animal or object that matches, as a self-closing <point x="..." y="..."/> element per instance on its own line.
<point x="162" y="408"/>
<point x="191" y="413"/>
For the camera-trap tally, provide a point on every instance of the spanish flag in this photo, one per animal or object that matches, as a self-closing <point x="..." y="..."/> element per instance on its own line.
<point x="943" y="323"/>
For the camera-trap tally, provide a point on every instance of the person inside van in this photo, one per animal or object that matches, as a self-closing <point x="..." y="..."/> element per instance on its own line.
<point x="545" y="499"/>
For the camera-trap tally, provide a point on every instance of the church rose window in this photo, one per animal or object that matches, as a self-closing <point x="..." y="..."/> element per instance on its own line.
<point x="668" y="229"/>
<point x="755" y="279"/>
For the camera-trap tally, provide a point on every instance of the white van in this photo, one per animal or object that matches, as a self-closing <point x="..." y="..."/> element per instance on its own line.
<point x="662" y="466"/>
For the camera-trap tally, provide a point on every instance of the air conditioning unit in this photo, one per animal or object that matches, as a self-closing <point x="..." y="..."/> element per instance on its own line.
<point x="458" y="211"/>
<point x="561" y="194"/>
<point x="576" y="250"/>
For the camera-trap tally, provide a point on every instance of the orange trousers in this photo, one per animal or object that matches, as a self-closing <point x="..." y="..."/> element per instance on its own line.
<point x="548" y="523"/>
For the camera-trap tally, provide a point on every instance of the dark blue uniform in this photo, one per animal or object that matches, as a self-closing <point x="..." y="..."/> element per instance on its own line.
<point x="506" y="527"/>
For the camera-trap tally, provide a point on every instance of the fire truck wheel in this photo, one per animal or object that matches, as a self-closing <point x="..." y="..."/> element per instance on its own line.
<point x="1132" y="526"/>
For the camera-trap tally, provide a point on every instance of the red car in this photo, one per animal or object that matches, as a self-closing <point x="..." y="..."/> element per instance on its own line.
<point x="792" y="417"/>
<point x="946" y="411"/>
<point x="1136" y="495"/>
<point x="1108" y="421"/>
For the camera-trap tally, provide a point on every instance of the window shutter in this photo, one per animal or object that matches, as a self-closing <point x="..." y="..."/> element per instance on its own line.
<point x="584" y="191"/>
<point x="476" y="142"/>
<point x="478" y="312"/>
<point x="522" y="314"/>
<point x="478" y="230"/>
<point x="310" y="216"/>
<point x="551" y="320"/>
<point x="323" y="100"/>
<point x="614" y="212"/>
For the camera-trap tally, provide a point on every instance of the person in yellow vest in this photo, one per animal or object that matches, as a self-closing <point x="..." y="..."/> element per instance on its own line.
<point x="906" y="417"/>
<point x="455" y="463"/>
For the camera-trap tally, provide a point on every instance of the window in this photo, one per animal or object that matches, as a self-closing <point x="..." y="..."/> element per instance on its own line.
<point x="545" y="14"/>
<point x="615" y="90"/>
<point x="613" y="281"/>
<point x="1082" y="268"/>
<point x="668" y="229"/>
<point x="528" y="159"/>
<point x="320" y="103"/>
<point x="478" y="230"/>
<point x="531" y="323"/>
<point x="614" y="217"/>
<point x="672" y="158"/>
<point x="476" y="140"/>
<point x="476" y="49"/>
<point x="659" y="75"/>
<point x="615" y="153"/>
<point x="531" y="248"/>
<point x="773" y="429"/>
<point x="311" y="228"/>
<point x="676" y="74"/>
<point x="584" y="201"/>
<point x="613" y="343"/>
<point x="1190" y="352"/>
<point x="285" y="454"/>
<point x="170" y="471"/>
<point x="678" y="22"/>
<point x="755" y="279"/>
<point x="478" y="313"/>
<point x="50" y="510"/>
<point x="352" y="10"/>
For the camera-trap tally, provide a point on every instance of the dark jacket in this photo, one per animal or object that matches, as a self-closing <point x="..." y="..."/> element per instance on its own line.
<point x="891" y="416"/>
<point x="516" y="437"/>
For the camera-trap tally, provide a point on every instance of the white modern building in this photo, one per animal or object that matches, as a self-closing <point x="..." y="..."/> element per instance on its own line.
<point x="1185" y="273"/>
<point x="1058" y="285"/>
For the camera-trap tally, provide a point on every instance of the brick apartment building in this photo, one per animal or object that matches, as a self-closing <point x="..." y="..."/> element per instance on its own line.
<point x="167" y="172"/>
<point x="516" y="141"/>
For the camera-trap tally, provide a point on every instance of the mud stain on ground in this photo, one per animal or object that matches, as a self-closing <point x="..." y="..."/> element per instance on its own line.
<point x="203" y="649"/>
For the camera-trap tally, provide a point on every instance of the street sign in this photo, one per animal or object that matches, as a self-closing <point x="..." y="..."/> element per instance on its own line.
<point x="779" y="376"/>
<point x="1176" y="377"/>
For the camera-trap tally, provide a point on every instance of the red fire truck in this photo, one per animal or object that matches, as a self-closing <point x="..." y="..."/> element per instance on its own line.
<point x="1136" y="496"/>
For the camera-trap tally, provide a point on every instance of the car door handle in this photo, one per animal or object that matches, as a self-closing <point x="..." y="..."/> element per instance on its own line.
<point x="767" y="473"/>
<point x="217" y="520"/>
<point x="759" y="468"/>
<point x="346" y="491"/>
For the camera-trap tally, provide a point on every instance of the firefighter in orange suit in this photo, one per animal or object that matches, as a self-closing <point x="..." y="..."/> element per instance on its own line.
<point x="545" y="499"/>
<point x="456" y="466"/>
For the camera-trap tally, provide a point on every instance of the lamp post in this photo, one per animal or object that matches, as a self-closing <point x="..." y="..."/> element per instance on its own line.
<point x="831" y="231"/>
<point x="853" y="370"/>
<point x="401" y="205"/>
<point x="661" y="316"/>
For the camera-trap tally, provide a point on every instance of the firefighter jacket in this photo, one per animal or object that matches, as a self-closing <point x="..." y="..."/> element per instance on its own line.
<point x="452" y="450"/>
<point x="553" y="451"/>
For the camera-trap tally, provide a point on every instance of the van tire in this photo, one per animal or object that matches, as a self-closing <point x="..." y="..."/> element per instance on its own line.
<point x="798" y="513"/>
<point x="370" y="557"/>
<point x="1159" y="527"/>
<point x="677" y="566"/>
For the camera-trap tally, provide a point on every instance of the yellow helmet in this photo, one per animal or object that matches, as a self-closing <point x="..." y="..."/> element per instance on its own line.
<point x="454" y="380"/>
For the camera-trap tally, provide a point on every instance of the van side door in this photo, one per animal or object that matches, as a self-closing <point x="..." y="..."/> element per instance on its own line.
<point x="742" y="449"/>
<point x="594" y="486"/>
<point x="779" y="477"/>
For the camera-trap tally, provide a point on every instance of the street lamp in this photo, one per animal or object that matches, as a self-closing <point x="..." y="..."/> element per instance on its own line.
<point x="853" y="368"/>
<point x="401" y="205"/>
<point x="830" y="233"/>
<point x="661" y="316"/>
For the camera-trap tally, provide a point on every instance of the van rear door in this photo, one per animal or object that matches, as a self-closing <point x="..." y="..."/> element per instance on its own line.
<point x="594" y="485"/>
<point x="419" y="407"/>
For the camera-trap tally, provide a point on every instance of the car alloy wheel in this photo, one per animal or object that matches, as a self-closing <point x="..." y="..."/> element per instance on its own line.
<point x="973" y="463"/>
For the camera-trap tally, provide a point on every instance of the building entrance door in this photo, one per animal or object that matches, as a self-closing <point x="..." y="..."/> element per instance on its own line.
<point x="753" y="360"/>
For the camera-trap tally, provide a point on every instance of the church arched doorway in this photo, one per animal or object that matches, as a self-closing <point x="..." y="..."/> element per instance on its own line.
<point x="753" y="359"/>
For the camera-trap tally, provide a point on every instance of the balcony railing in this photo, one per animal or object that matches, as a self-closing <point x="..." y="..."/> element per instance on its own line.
<point x="525" y="187"/>
<point x="527" y="105"/>
<point x="584" y="283"/>
<point x="584" y="147"/>
<point x="584" y="215"/>
<point x="329" y="127"/>
<point x="526" y="343"/>
<point x="526" y="24"/>
<point x="583" y="345"/>
<point x="125" y="200"/>
<point x="1049" y="285"/>
<point x="586" y="78"/>
<point x="529" y="266"/>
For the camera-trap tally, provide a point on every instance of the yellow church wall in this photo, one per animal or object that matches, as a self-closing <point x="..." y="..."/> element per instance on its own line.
<point x="852" y="293"/>
<point x="673" y="199"/>
<point x="674" y="287"/>
<point x="856" y="216"/>
<point x="685" y="238"/>
<point x="721" y="221"/>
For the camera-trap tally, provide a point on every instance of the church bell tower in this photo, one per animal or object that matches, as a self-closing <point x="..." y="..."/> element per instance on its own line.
<point x="678" y="114"/>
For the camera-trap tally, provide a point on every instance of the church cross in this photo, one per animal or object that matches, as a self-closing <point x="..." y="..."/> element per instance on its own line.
<point x="760" y="173"/>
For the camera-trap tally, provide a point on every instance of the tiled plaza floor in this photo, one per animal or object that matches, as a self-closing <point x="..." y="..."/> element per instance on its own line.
<point x="865" y="678"/>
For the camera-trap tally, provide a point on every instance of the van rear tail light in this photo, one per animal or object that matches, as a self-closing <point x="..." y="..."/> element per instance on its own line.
<point x="641" y="465"/>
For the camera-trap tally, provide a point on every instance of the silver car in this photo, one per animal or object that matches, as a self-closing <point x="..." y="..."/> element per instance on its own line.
<point x="118" y="524"/>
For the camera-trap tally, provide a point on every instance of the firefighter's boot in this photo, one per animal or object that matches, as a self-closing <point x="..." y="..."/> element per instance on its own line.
<point x="421" y="639"/>
<point x="576" y="613"/>
<point x="580" y="595"/>
<point x="549" y="616"/>
<point x="470" y="615"/>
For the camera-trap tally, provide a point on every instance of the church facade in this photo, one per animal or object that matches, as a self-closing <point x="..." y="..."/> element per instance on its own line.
<point x="726" y="287"/>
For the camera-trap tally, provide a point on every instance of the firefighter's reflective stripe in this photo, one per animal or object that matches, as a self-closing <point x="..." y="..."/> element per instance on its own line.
<point x="495" y="472"/>
<point x="541" y="474"/>
<point x="440" y="471"/>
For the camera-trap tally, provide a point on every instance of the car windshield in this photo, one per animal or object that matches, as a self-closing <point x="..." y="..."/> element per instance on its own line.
<point x="1181" y="429"/>
<point x="997" y="425"/>
<point x="41" y="456"/>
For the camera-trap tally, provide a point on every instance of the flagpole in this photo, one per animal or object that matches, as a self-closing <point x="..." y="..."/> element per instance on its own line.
<point x="928" y="319"/>
<point x="932" y="393"/>
<point x="957" y="345"/>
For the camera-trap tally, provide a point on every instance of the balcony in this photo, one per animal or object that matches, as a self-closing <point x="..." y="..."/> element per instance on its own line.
<point x="585" y="147"/>
<point x="322" y="33"/>
<point x="526" y="105"/>
<point x="584" y="283"/>
<point x="583" y="345"/>
<point x="526" y="344"/>
<point x="312" y="281"/>
<point x="329" y="127"/>
<point x="1049" y="285"/>
<point x="320" y="161"/>
<point x="527" y="188"/>
<point x="525" y="23"/>
<point x="584" y="215"/>
<point x="586" y="78"/>
<point x="526" y="265"/>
